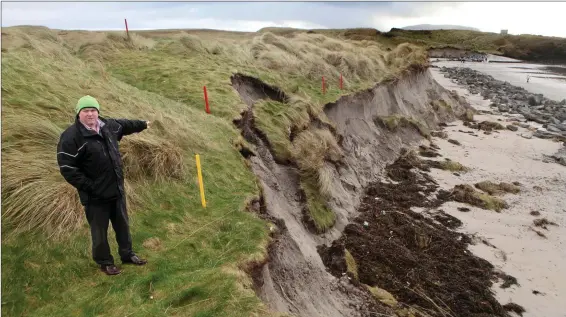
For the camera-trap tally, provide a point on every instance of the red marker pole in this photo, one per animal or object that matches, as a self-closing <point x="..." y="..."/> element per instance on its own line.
<point x="323" y="86"/>
<point x="341" y="81"/>
<point x="127" y="31"/>
<point x="206" y="100"/>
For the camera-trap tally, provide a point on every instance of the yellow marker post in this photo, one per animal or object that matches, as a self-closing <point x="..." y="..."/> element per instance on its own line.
<point x="200" y="183"/>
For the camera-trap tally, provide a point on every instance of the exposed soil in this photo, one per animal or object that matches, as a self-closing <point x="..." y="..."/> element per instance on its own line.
<point x="252" y="89"/>
<point x="422" y="263"/>
<point x="293" y="278"/>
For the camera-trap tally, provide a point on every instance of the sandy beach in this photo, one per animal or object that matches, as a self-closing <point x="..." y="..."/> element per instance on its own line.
<point x="511" y="244"/>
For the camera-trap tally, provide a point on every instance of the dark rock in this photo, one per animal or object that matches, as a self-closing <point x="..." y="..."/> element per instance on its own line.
<point x="533" y="117"/>
<point x="560" y="115"/>
<point x="512" y="127"/>
<point x="523" y="109"/>
<point x="545" y="134"/>
<point x="508" y="98"/>
<point x="553" y="128"/>
<point x="529" y="116"/>
<point x="560" y="156"/>
<point x="545" y="116"/>
<point x="539" y="99"/>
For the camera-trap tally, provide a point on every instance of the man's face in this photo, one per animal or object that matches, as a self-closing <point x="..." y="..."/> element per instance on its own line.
<point x="89" y="116"/>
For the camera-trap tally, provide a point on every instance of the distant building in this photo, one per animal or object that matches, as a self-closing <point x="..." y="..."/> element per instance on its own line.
<point x="504" y="32"/>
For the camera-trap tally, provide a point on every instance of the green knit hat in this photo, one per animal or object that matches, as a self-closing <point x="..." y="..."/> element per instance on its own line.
<point x="87" y="102"/>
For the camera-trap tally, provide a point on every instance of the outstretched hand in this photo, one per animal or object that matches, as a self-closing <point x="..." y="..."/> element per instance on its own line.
<point x="148" y="124"/>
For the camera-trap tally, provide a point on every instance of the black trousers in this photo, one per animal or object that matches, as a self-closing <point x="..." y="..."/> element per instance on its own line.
<point x="98" y="216"/>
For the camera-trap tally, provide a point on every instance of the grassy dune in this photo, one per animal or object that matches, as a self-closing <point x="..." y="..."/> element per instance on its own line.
<point x="524" y="47"/>
<point x="196" y="256"/>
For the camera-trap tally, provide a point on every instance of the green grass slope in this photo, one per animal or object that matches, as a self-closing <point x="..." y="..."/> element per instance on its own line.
<point x="196" y="255"/>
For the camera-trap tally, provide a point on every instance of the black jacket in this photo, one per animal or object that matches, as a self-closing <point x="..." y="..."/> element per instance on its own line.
<point x="91" y="162"/>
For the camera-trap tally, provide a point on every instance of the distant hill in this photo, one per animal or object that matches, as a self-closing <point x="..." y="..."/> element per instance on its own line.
<point x="438" y="27"/>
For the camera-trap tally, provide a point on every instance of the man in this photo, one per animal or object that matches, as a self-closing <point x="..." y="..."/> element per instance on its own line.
<point x="89" y="159"/>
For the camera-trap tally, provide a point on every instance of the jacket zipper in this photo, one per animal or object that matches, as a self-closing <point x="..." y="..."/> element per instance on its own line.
<point x="102" y="145"/>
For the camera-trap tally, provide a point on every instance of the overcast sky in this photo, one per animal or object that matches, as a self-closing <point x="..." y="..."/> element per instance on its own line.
<point x="544" y="18"/>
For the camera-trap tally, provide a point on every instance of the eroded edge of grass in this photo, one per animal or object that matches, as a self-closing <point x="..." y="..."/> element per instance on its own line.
<point x="396" y="121"/>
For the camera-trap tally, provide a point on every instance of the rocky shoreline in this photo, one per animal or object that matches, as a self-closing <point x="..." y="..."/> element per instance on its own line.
<point x="519" y="104"/>
<point x="510" y="99"/>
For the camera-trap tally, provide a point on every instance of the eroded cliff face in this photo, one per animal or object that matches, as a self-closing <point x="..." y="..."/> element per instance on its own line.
<point x="369" y="146"/>
<point x="371" y="127"/>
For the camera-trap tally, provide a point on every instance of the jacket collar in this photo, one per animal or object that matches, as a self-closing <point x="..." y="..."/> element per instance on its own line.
<point x="87" y="132"/>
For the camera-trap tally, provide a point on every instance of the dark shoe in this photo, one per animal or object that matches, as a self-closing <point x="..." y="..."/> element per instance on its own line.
<point x="110" y="269"/>
<point x="134" y="260"/>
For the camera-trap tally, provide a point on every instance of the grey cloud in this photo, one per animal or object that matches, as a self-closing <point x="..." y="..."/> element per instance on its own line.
<point x="418" y="9"/>
<point x="147" y="15"/>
